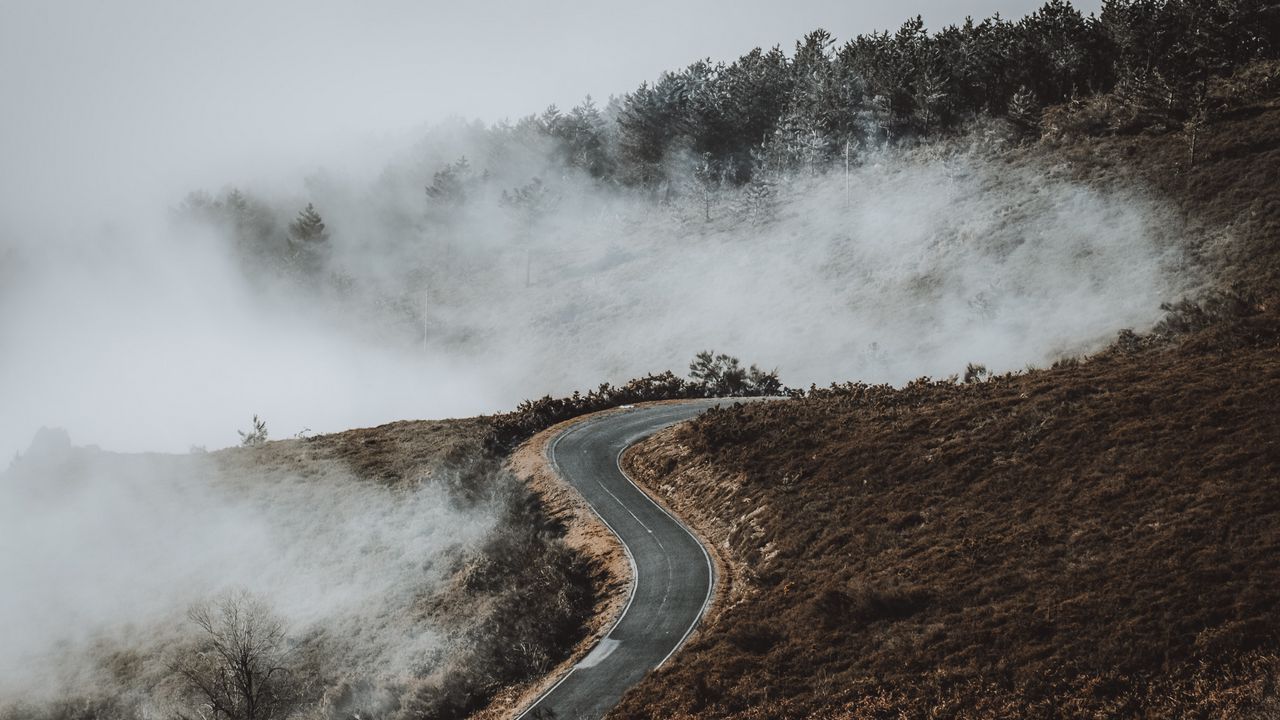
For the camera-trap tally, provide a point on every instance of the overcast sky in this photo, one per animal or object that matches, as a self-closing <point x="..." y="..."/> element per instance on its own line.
<point x="122" y="99"/>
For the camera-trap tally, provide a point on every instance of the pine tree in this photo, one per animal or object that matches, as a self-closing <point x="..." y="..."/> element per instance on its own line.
<point x="308" y="242"/>
<point x="650" y="120"/>
<point x="929" y="89"/>
<point x="449" y="186"/>
<point x="879" y="59"/>
<point x="759" y="199"/>
<point x="1025" y="111"/>
<point x="812" y="77"/>
<point x="308" y="227"/>
<point x="755" y="92"/>
<point x="708" y="177"/>
<point x="1052" y="55"/>
<point x="258" y="238"/>
<point x="581" y="138"/>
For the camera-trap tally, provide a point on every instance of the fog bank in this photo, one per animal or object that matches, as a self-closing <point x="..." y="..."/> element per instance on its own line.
<point x="172" y="330"/>
<point x="103" y="554"/>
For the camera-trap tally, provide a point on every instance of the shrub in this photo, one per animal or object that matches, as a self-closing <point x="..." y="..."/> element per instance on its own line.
<point x="1216" y="307"/>
<point x="722" y="375"/>
<point x="539" y="596"/>
<point x="974" y="373"/>
<point x="712" y="376"/>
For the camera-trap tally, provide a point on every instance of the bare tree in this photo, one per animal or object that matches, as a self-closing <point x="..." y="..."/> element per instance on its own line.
<point x="237" y="671"/>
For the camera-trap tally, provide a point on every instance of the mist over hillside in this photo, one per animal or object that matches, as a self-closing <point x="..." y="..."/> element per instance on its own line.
<point x="397" y="571"/>
<point x="512" y="277"/>
<point x="871" y="210"/>
<point x="534" y="279"/>
<point x="110" y="552"/>
<point x="847" y="209"/>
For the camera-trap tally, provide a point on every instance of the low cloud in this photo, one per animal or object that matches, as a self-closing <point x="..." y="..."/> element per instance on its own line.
<point x="103" y="554"/>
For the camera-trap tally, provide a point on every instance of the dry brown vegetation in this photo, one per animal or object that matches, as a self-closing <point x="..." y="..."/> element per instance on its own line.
<point x="1095" y="539"/>
<point x="1098" y="539"/>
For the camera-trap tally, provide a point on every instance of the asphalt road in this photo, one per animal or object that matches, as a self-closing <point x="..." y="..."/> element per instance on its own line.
<point x="673" y="574"/>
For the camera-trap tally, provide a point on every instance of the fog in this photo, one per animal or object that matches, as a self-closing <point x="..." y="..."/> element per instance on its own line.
<point x="143" y="319"/>
<point x="162" y="333"/>
<point x="103" y="554"/>
<point x="137" y="337"/>
<point x="907" y="267"/>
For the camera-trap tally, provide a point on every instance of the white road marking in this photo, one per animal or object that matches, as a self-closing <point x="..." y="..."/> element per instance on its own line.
<point x="601" y="651"/>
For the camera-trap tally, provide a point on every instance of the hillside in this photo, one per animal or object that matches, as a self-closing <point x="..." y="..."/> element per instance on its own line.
<point x="1096" y="539"/>
<point x="1068" y="220"/>
<point x="400" y="563"/>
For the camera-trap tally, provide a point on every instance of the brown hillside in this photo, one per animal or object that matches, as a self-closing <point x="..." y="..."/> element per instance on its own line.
<point x="1230" y="195"/>
<point x="1100" y="539"/>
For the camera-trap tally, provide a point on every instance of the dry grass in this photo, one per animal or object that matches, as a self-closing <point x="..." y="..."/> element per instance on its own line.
<point x="1089" y="541"/>
<point x="394" y="454"/>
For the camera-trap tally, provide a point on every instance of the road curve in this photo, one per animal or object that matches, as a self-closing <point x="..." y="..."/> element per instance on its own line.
<point x="672" y="574"/>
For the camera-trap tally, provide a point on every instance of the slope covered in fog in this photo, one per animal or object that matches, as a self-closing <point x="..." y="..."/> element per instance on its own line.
<point x="864" y="180"/>
<point x="392" y="558"/>
<point x="913" y="263"/>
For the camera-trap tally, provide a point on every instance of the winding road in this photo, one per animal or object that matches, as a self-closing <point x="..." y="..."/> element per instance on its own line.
<point x="672" y="574"/>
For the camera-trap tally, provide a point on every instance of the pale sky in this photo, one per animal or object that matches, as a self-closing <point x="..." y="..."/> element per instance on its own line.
<point x="120" y="99"/>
